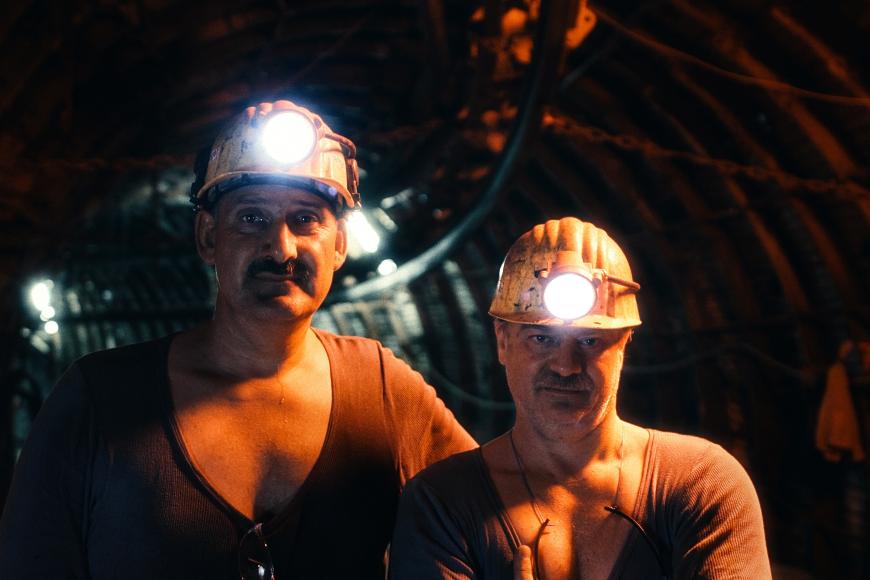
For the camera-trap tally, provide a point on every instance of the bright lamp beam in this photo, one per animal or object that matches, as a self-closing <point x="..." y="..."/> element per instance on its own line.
<point x="289" y="137"/>
<point x="40" y="295"/>
<point x="363" y="233"/>
<point x="569" y="296"/>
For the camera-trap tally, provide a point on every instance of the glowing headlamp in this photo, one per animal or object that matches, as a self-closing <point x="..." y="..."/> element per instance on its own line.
<point x="279" y="143"/>
<point x="570" y="296"/>
<point x="571" y="289"/>
<point x="289" y="137"/>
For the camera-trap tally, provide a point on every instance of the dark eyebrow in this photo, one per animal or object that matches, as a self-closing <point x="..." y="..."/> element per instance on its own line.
<point x="537" y="327"/>
<point x="313" y="203"/>
<point x="250" y="198"/>
<point x="256" y="199"/>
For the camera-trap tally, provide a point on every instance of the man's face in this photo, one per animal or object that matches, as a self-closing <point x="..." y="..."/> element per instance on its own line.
<point x="274" y="248"/>
<point x="563" y="380"/>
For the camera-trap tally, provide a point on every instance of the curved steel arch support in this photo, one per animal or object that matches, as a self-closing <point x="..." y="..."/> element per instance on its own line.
<point x="541" y="78"/>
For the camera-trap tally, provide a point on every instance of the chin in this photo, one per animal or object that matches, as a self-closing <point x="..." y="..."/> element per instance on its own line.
<point x="285" y="307"/>
<point x="568" y="427"/>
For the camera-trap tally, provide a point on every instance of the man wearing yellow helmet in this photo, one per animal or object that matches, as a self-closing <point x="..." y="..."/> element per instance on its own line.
<point x="252" y="446"/>
<point x="573" y="491"/>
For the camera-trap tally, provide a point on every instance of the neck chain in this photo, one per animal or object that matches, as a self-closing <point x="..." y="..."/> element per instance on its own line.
<point x="533" y="500"/>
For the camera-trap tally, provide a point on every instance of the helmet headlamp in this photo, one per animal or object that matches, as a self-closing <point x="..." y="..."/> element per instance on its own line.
<point x="569" y="296"/>
<point x="566" y="272"/>
<point x="570" y="292"/>
<point x="289" y="137"/>
<point x="279" y="143"/>
<point x="571" y="288"/>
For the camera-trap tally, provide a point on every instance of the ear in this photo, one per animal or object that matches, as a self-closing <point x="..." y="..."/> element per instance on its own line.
<point x="204" y="230"/>
<point x="501" y="338"/>
<point x="340" y="243"/>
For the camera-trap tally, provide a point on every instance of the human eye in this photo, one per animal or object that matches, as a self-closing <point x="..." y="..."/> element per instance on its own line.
<point x="307" y="220"/>
<point x="542" y="339"/>
<point x="251" y="218"/>
<point x="589" y="341"/>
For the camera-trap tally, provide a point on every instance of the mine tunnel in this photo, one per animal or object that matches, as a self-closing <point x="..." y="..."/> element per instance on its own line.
<point x="723" y="145"/>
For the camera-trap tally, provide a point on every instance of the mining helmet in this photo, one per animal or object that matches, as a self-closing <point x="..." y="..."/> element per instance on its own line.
<point x="566" y="273"/>
<point x="281" y="143"/>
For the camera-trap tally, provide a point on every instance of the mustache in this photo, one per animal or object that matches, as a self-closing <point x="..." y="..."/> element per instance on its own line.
<point x="293" y="269"/>
<point x="547" y="379"/>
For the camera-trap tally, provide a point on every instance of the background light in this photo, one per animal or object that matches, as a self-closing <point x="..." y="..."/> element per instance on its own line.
<point x="362" y="234"/>
<point x="569" y="296"/>
<point x="387" y="267"/>
<point x="40" y="294"/>
<point x="51" y="327"/>
<point x="47" y="313"/>
<point x="289" y="137"/>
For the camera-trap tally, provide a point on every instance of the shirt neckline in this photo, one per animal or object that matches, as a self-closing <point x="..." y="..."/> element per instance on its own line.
<point x="639" y="504"/>
<point x="290" y="510"/>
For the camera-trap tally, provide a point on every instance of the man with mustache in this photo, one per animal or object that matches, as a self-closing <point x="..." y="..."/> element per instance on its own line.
<point x="252" y="446"/>
<point x="573" y="491"/>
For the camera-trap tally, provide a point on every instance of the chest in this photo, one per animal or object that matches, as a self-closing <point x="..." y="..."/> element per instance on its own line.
<point x="256" y="454"/>
<point x="579" y="540"/>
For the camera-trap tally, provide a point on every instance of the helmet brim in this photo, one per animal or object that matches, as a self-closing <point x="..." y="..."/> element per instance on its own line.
<point x="546" y="319"/>
<point x="335" y="193"/>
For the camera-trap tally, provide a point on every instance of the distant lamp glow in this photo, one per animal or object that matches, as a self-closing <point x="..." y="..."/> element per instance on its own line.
<point x="569" y="296"/>
<point x="40" y="294"/>
<point x="51" y="327"/>
<point x="47" y="313"/>
<point x="362" y="233"/>
<point x="387" y="267"/>
<point x="289" y="137"/>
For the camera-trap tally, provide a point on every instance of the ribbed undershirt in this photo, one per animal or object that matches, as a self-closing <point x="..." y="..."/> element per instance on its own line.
<point x="695" y="499"/>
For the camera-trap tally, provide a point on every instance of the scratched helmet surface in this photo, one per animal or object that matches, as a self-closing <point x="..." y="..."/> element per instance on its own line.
<point x="519" y="296"/>
<point x="241" y="155"/>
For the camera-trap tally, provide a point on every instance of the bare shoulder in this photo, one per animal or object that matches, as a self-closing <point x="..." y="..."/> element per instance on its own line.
<point x="636" y="439"/>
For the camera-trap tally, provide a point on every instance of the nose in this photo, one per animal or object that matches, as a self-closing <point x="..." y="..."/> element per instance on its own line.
<point x="280" y="243"/>
<point x="567" y="359"/>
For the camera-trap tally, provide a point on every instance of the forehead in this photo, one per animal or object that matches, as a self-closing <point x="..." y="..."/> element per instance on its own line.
<point x="606" y="335"/>
<point x="273" y="196"/>
<point x="566" y="331"/>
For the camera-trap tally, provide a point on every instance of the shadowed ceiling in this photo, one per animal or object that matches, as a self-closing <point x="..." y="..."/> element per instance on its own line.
<point x="724" y="145"/>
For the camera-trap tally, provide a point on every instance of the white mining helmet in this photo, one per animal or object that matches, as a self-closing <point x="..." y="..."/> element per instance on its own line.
<point x="281" y="142"/>
<point x="566" y="273"/>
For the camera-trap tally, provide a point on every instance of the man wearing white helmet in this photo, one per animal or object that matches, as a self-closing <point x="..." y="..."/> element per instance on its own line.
<point x="252" y="446"/>
<point x="573" y="491"/>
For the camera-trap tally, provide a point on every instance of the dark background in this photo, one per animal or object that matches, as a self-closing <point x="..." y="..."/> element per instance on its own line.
<point x="724" y="145"/>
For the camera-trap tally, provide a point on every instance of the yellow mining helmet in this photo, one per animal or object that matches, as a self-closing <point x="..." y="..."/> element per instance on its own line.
<point x="284" y="143"/>
<point x="567" y="273"/>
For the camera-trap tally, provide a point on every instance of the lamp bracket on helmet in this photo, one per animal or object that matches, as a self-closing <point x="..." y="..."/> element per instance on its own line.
<point x="570" y="253"/>
<point x="291" y="136"/>
<point x="572" y="290"/>
<point x="281" y="143"/>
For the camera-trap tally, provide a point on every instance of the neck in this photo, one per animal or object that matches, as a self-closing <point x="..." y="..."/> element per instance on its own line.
<point x="568" y="459"/>
<point x="256" y="347"/>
